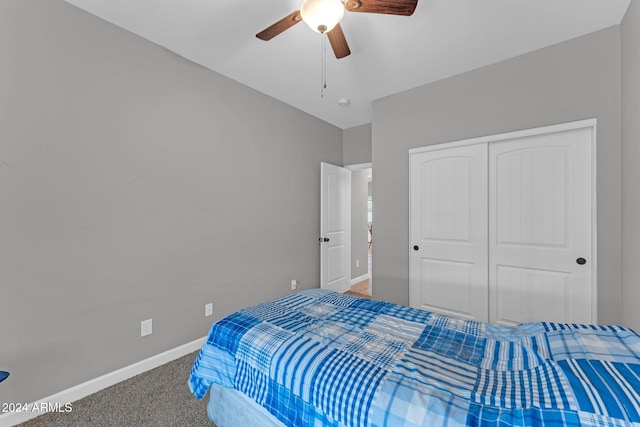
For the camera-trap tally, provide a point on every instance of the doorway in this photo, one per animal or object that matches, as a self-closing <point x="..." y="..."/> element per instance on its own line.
<point x="361" y="229"/>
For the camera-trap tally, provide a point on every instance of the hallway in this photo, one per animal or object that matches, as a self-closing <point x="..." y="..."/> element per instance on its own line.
<point x="364" y="287"/>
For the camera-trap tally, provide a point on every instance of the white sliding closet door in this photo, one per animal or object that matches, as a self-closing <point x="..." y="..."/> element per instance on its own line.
<point x="448" y="257"/>
<point x="540" y="228"/>
<point x="502" y="228"/>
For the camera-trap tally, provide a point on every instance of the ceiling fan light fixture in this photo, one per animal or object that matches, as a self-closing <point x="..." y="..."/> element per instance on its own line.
<point x="322" y="15"/>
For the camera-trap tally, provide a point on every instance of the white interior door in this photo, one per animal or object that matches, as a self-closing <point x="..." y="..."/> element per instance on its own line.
<point x="335" y="228"/>
<point x="448" y="231"/>
<point x="540" y="210"/>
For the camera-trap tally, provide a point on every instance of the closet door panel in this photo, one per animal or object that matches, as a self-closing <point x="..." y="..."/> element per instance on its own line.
<point x="527" y="293"/>
<point x="539" y="226"/>
<point x="448" y="233"/>
<point x="454" y="298"/>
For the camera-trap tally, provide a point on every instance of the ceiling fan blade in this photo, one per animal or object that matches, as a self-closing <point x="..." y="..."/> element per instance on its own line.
<point x="284" y="24"/>
<point x="388" y="7"/>
<point x="338" y="42"/>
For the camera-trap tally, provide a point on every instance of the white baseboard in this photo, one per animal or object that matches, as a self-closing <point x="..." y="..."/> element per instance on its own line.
<point x="89" y="387"/>
<point x="359" y="279"/>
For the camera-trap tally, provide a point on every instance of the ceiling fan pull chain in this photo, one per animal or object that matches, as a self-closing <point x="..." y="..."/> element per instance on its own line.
<point x="323" y="62"/>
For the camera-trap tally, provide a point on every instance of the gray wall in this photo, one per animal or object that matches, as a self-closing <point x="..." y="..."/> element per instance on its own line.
<point x="574" y="80"/>
<point x="135" y="185"/>
<point x="359" y="224"/>
<point x="630" y="41"/>
<point x="356" y="145"/>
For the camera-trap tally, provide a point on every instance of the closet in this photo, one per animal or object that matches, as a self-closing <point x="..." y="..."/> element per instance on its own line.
<point x="502" y="228"/>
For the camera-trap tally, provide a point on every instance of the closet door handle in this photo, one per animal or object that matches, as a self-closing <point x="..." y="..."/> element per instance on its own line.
<point x="581" y="261"/>
<point x="416" y="247"/>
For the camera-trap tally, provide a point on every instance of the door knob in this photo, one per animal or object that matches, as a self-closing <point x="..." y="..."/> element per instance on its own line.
<point x="416" y="247"/>
<point x="581" y="261"/>
<point x="326" y="239"/>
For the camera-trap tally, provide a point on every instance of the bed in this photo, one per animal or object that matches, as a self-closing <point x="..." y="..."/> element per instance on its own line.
<point x="319" y="358"/>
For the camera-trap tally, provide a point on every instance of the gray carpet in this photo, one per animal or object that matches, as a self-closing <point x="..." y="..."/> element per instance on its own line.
<point x="159" y="397"/>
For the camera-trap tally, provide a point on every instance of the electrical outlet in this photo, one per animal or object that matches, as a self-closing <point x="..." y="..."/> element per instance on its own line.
<point x="208" y="309"/>
<point x="357" y="263"/>
<point x="146" y="327"/>
<point x="294" y="284"/>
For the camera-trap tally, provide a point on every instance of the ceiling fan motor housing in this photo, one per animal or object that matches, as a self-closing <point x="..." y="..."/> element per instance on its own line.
<point x="322" y="15"/>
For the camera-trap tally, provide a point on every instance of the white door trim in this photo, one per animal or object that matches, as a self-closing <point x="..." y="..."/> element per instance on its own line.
<point x="512" y="135"/>
<point x="359" y="166"/>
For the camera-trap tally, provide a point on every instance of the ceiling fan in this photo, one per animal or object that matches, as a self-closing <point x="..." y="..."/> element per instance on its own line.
<point x="324" y="16"/>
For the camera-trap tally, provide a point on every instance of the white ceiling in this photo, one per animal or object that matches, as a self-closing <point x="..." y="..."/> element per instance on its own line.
<point x="389" y="54"/>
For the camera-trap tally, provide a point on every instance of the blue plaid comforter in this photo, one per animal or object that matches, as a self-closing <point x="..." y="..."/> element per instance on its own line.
<point x="318" y="358"/>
